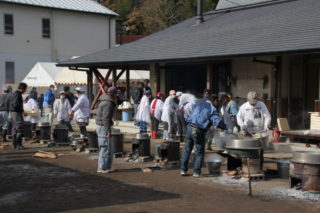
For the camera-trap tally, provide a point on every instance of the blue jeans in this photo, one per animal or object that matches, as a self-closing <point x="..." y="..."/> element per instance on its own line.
<point x="135" y="110"/>
<point x="4" y="120"/>
<point x="105" y="149"/>
<point x="194" y="137"/>
<point x="143" y="126"/>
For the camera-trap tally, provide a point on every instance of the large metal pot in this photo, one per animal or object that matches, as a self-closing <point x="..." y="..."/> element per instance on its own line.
<point x="306" y="157"/>
<point x="243" y="143"/>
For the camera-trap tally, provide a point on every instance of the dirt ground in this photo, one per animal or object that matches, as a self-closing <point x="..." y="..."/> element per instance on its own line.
<point x="70" y="184"/>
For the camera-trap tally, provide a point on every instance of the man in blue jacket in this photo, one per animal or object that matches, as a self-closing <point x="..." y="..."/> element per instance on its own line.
<point x="48" y="101"/>
<point x="201" y="118"/>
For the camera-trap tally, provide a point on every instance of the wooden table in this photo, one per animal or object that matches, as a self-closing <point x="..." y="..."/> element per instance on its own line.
<point x="310" y="138"/>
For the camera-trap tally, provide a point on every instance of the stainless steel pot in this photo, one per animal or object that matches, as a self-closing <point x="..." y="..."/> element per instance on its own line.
<point x="40" y="124"/>
<point x="142" y="136"/>
<point x="306" y="157"/>
<point x="243" y="143"/>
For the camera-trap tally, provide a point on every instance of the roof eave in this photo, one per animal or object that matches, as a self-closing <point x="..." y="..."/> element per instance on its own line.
<point x="188" y="59"/>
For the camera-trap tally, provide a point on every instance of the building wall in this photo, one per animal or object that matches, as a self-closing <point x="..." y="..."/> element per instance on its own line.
<point x="248" y="75"/>
<point x="72" y="34"/>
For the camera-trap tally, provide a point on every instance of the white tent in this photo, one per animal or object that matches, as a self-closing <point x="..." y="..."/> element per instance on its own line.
<point x="42" y="74"/>
<point x="72" y="77"/>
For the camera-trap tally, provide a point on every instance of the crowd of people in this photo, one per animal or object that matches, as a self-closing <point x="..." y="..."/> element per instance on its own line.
<point x="193" y="120"/>
<point x="184" y="116"/>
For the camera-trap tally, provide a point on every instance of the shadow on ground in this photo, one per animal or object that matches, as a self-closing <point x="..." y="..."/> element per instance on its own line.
<point x="32" y="186"/>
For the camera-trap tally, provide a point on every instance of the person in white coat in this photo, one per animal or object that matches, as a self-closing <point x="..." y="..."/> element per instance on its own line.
<point x="184" y="99"/>
<point x="81" y="111"/>
<point x="143" y="113"/>
<point x="31" y="106"/>
<point x="156" y="108"/>
<point x="253" y="116"/>
<point x="167" y="116"/>
<point x="61" y="109"/>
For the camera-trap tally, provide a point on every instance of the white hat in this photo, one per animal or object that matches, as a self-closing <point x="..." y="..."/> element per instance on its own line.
<point x="178" y="93"/>
<point x="252" y="97"/>
<point x="79" y="89"/>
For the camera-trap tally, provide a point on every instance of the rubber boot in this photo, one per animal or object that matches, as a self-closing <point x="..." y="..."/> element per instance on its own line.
<point x="14" y="141"/>
<point x="4" y="135"/>
<point x="155" y="134"/>
<point x="152" y="134"/>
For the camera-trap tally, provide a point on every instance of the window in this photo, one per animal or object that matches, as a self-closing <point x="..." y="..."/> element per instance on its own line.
<point x="9" y="72"/>
<point x="8" y="24"/>
<point x="45" y="28"/>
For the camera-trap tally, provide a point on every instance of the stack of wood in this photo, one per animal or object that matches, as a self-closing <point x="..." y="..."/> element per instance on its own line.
<point x="315" y="121"/>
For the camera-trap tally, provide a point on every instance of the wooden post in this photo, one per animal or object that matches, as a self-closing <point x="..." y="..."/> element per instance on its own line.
<point x="90" y="84"/>
<point x="209" y="76"/>
<point x="128" y="84"/>
<point x="114" y="77"/>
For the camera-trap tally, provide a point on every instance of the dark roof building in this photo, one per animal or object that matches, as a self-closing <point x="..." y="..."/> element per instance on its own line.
<point x="276" y="27"/>
<point x="272" y="47"/>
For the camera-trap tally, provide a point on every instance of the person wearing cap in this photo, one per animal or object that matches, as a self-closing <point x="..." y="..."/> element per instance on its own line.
<point x="16" y="109"/>
<point x="229" y="111"/>
<point x="253" y="116"/>
<point x="48" y="101"/>
<point x="61" y="109"/>
<point x="105" y="111"/>
<point x="156" y="108"/>
<point x="206" y="95"/>
<point x="143" y="113"/>
<point x="212" y="130"/>
<point x="81" y="111"/>
<point x="202" y="117"/>
<point x="30" y="105"/>
<point x="169" y="108"/>
<point x="4" y="112"/>
<point x="184" y="99"/>
<point x="69" y="95"/>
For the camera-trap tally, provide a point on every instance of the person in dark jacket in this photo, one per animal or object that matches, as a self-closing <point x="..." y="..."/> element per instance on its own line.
<point x="40" y="103"/>
<point x="4" y="112"/>
<point x="16" y="109"/>
<point x="104" y="123"/>
<point x="136" y="95"/>
<point x="33" y="94"/>
<point x="201" y="118"/>
<point x="69" y="95"/>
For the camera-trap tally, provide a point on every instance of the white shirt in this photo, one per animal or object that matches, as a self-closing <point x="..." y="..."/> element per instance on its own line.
<point x="29" y="106"/>
<point x="254" y="119"/>
<point x="158" y="109"/>
<point x="81" y="109"/>
<point x="168" y="109"/>
<point x="143" y="113"/>
<point x="61" y="109"/>
<point x="186" y="98"/>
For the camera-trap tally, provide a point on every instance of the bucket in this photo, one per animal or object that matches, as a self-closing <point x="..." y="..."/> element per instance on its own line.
<point x="283" y="168"/>
<point x="126" y="115"/>
<point x="214" y="167"/>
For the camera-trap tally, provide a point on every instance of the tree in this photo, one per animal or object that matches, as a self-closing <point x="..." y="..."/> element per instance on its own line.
<point x="149" y="16"/>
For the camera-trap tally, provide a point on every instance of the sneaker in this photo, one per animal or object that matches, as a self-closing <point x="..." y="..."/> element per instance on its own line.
<point x="105" y="171"/>
<point x="183" y="173"/>
<point x="196" y="175"/>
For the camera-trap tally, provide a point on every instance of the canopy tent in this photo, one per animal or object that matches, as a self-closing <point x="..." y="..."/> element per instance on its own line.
<point x="42" y="74"/>
<point x="73" y="77"/>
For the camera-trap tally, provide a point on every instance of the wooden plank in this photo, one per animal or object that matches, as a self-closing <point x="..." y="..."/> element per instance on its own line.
<point x="277" y="155"/>
<point x="283" y="124"/>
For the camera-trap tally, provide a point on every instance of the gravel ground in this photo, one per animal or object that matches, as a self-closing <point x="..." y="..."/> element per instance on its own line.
<point x="70" y="184"/>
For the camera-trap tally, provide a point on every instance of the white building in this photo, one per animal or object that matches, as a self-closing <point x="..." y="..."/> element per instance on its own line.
<point x="50" y="31"/>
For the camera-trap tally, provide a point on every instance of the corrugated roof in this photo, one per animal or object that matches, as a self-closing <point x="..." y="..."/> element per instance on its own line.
<point x="87" y="6"/>
<point x="285" y="27"/>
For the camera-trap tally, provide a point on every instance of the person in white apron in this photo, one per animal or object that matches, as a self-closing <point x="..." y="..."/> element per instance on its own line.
<point x="167" y="116"/>
<point x="61" y="109"/>
<point x="156" y="108"/>
<point x="143" y="113"/>
<point x="31" y="108"/>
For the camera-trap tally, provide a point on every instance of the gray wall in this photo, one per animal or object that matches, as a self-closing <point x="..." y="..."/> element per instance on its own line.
<point x="72" y="34"/>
